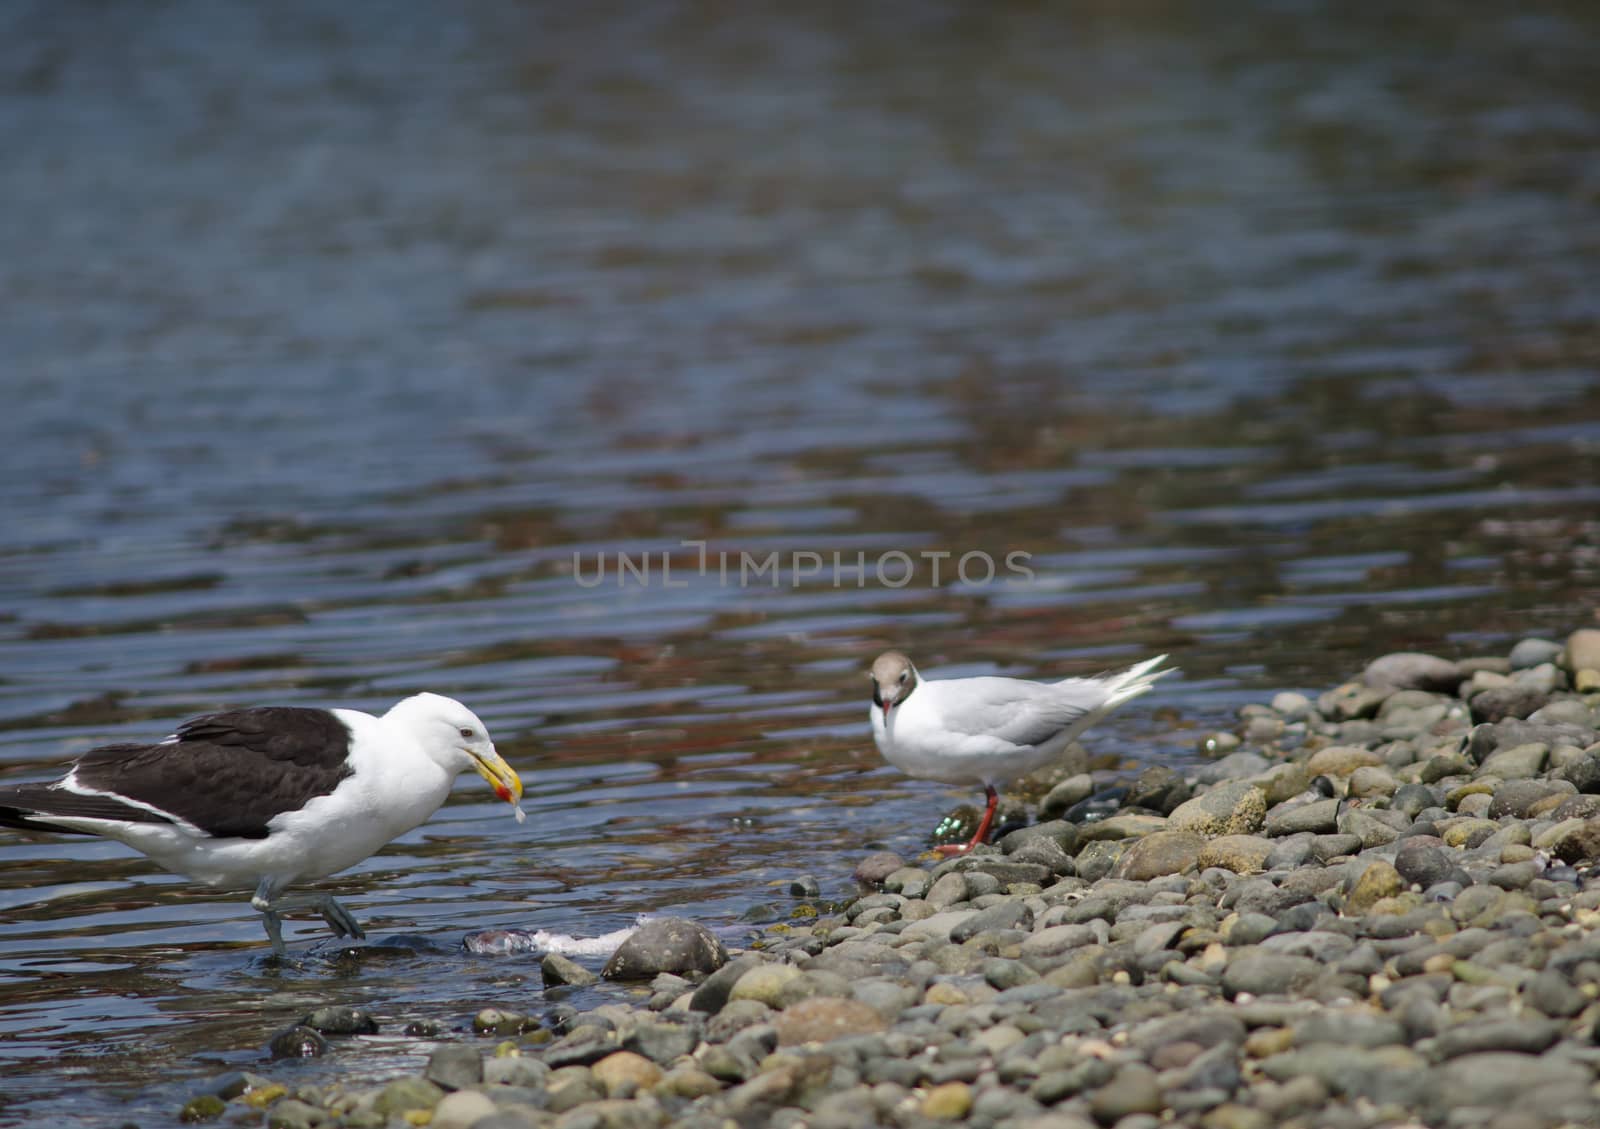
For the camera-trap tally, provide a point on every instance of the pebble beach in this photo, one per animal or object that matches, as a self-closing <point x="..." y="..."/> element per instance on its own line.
<point x="1376" y="906"/>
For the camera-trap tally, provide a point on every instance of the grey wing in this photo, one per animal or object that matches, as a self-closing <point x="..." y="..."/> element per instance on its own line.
<point x="1020" y="713"/>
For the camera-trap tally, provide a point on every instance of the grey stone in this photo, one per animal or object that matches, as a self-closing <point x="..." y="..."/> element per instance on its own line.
<point x="1046" y="852"/>
<point x="1531" y="652"/>
<point x="1471" y="1037"/>
<point x="1133" y="1089"/>
<point x="1423" y="864"/>
<point x="1234" y="766"/>
<point x="1412" y="670"/>
<point x="1583" y="773"/>
<point x="908" y="881"/>
<point x="292" y="1113"/>
<point x="1582" y="651"/>
<point x="1009" y="914"/>
<point x="1497" y="1081"/>
<point x="1367" y="827"/>
<point x="558" y="969"/>
<point x="341" y="1021"/>
<point x="946" y="891"/>
<point x="1351" y="701"/>
<point x="298" y="1041"/>
<point x="1057" y="831"/>
<point x="1386" y="1075"/>
<point x="712" y="994"/>
<point x="1096" y="859"/>
<point x="1158" y="788"/>
<point x="454" y="1066"/>
<point x="1159" y="854"/>
<point x="876" y="867"/>
<point x="1318" y="817"/>
<point x="1515" y="762"/>
<point x="1251" y="929"/>
<point x="1564" y="711"/>
<point x="1262" y="973"/>
<point x="1233" y="808"/>
<point x="665" y="944"/>
<point x="1349" y="1028"/>
<point x="1070" y="792"/>
<point x="1554" y="995"/>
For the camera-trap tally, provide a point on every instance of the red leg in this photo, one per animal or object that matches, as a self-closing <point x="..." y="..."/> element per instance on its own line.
<point x="982" y="833"/>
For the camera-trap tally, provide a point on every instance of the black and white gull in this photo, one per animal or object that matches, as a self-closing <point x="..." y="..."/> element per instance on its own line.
<point x="268" y="797"/>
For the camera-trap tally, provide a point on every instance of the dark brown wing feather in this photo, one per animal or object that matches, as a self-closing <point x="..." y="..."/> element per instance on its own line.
<point x="228" y="774"/>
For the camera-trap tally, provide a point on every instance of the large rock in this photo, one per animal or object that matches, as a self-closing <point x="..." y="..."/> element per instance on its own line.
<point x="1234" y="808"/>
<point x="665" y="944"/>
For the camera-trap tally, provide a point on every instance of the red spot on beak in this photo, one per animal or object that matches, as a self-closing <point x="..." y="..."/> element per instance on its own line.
<point x="503" y="792"/>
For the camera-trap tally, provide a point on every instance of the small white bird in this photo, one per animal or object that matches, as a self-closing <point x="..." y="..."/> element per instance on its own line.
<point x="988" y="731"/>
<point x="271" y="796"/>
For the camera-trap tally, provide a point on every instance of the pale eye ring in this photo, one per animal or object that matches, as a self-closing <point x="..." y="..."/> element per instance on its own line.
<point x="903" y="676"/>
<point x="467" y="733"/>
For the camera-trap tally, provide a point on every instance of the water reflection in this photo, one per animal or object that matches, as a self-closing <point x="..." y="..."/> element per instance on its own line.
<point x="336" y="340"/>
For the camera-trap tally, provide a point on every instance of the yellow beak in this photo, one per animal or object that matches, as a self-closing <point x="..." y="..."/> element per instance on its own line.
<point x="500" y="775"/>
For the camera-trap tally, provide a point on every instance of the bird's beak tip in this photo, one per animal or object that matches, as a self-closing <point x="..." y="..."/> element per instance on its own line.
<point x="501" y="777"/>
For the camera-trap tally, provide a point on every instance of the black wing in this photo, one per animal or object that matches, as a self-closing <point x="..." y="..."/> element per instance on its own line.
<point x="228" y="774"/>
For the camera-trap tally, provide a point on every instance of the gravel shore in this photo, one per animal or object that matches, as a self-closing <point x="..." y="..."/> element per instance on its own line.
<point x="1376" y="907"/>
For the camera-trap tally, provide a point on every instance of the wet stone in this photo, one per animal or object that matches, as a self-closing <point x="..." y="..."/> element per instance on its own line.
<point x="665" y="944"/>
<point x="557" y="969"/>
<point x="808" y="887"/>
<point x="298" y="1041"/>
<point x="341" y="1021"/>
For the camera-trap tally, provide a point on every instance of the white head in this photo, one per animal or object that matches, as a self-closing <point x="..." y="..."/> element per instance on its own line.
<point x="893" y="679"/>
<point x="453" y="736"/>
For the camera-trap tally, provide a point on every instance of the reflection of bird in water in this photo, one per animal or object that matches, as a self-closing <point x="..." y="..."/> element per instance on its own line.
<point x="271" y="796"/>
<point x="988" y="731"/>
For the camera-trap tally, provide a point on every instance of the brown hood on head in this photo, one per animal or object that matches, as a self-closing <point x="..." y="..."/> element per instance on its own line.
<point x="893" y="679"/>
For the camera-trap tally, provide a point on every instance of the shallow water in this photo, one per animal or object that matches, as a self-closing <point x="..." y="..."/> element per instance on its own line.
<point x="341" y="347"/>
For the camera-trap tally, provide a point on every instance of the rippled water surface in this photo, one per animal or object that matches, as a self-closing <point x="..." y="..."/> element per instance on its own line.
<point x="347" y="347"/>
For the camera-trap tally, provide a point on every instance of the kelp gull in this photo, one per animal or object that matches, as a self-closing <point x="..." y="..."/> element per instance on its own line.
<point x="271" y="796"/>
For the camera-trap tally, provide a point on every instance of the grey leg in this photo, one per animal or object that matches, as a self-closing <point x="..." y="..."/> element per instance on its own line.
<point x="271" y="904"/>
<point x="338" y="918"/>
<point x="262" y="902"/>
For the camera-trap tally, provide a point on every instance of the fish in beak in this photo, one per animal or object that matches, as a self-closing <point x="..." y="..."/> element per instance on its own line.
<point x="501" y="777"/>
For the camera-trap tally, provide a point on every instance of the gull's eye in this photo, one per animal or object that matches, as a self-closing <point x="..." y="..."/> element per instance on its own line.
<point x="467" y="733"/>
<point x="903" y="675"/>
